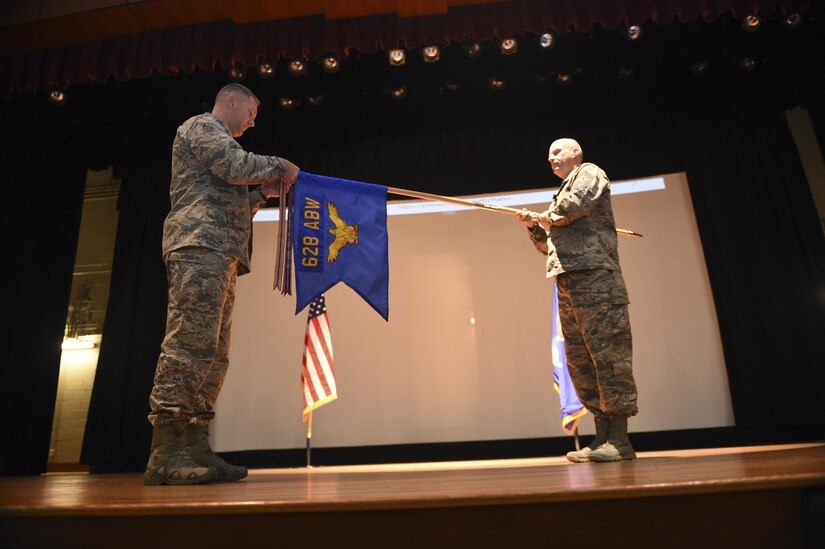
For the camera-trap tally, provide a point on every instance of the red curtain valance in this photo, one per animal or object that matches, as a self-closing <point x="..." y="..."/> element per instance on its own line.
<point x="224" y="43"/>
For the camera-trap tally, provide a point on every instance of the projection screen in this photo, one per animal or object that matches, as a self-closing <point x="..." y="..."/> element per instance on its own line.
<point x="466" y="353"/>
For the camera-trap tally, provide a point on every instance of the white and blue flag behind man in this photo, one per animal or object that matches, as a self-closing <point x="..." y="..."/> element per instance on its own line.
<point x="571" y="408"/>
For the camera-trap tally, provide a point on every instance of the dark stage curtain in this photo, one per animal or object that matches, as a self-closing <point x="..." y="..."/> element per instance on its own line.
<point x="763" y="246"/>
<point x="42" y="203"/>
<point x="816" y="111"/>
<point x="765" y="254"/>
<point x="117" y="433"/>
<point x="184" y="49"/>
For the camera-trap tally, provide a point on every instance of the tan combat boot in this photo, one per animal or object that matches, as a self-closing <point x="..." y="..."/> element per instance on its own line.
<point x="169" y="463"/>
<point x="196" y="440"/>
<point x="602" y="431"/>
<point x="617" y="447"/>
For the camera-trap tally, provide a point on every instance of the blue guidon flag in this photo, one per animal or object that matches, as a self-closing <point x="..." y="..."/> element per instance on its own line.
<point x="339" y="233"/>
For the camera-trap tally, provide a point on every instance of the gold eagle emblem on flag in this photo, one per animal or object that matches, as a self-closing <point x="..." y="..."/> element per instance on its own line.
<point x="344" y="234"/>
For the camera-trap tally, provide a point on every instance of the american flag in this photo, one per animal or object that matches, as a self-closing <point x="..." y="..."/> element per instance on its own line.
<point x="318" y="374"/>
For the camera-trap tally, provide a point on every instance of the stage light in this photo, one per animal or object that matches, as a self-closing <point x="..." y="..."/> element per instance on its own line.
<point x="497" y="84"/>
<point x="287" y="103"/>
<point x="546" y="40"/>
<point x="265" y="70"/>
<point x="699" y="67"/>
<point x="331" y="63"/>
<point x="472" y="49"/>
<point x="509" y="46"/>
<point x="399" y="93"/>
<point x="564" y="78"/>
<point x="237" y="73"/>
<point x="792" y="21"/>
<point x="748" y="64"/>
<point x="397" y="57"/>
<point x="431" y="54"/>
<point x="297" y="68"/>
<point x="315" y="100"/>
<point x="57" y="97"/>
<point x="633" y="33"/>
<point x="751" y="23"/>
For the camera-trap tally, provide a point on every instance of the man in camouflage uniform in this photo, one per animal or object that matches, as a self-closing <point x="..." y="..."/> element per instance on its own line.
<point x="205" y="247"/>
<point x="578" y="235"/>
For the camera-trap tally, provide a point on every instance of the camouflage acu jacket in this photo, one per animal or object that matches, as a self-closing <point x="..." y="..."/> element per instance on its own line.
<point x="582" y="232"/>
<point x="212" y="206"/>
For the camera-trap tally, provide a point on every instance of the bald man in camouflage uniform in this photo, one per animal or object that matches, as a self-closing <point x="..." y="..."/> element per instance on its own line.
<point x="578" y="235"/>
<point x="205" y="247"/>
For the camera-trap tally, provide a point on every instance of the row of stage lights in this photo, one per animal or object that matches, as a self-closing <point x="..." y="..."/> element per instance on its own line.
<point x="330" y="63"/>
<point x="397" y="57"/>
<point x="508" y="46"/>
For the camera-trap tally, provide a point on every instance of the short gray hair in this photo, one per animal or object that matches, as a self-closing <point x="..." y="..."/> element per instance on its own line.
<point x="236" y="89"/>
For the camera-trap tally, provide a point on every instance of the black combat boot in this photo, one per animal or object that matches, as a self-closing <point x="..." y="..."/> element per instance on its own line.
<point x="602" y="431"/>
<point x="169" y="463"/>
<point x="196" y="440"/>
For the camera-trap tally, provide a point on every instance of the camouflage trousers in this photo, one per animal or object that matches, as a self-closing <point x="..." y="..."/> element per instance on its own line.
<point x="194" y="355"/>
<point x="597" y="340"/>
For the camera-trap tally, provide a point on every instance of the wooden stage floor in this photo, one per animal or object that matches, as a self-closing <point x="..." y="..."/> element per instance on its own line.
<point x="673" y="498"/>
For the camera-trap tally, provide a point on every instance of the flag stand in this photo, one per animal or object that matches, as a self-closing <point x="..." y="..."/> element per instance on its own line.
<point x="309" y="441"/>
<point x="575" y="439"/>
<point x="318" y="373"/>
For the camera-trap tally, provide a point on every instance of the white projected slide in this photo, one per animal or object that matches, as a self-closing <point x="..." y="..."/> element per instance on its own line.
<point x="466" y="353"/>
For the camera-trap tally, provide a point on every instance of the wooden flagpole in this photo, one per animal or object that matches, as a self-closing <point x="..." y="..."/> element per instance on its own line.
<point x="490" y="207"/>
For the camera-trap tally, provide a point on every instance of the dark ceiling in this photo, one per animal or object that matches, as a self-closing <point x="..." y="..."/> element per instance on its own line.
<point x="586" y="79"/>
<point x="695" y="63"/>
<point x="32" y="25"/>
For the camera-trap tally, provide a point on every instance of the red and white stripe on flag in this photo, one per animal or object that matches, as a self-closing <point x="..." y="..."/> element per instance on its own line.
<point x="318" y="374"/>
